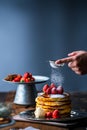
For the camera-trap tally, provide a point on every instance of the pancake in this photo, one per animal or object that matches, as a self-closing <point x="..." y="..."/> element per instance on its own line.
<point x="51" y="102"/>
<point x="63" y="111"/>
<point x="53" y="97"/>
<point x="54" y="107"/>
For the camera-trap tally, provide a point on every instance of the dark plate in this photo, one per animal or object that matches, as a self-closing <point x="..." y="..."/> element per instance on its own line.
<point x="75" y="116"/>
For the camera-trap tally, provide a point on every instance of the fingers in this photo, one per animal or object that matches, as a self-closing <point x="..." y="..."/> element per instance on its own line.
<point x="78" y="72"/>
<point x="74" y="68"/>
<point x="72" y="64"/>
<point x="64" y="60"/>
<point x="73" y="53"/>
<point x="76" y="53"/>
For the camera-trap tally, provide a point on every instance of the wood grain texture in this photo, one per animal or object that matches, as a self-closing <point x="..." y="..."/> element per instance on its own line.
<point x="79" y="102"/>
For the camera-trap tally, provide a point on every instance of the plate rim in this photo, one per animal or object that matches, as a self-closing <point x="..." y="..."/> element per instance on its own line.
<point x="60" y="120"/>
<point x="33" y="82"/>
<point x="8" y="124"/>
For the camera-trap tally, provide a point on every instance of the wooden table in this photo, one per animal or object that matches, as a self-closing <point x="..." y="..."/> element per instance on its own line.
<point x="79" y="102"/>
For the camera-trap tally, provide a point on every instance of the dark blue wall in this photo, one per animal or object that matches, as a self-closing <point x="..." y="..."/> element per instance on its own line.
<point x="32" y="32"/>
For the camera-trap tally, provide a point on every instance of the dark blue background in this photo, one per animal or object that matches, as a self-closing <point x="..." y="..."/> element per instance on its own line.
<point x="32" y="32"/>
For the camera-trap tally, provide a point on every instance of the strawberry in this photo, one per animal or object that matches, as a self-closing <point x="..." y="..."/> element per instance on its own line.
<point x="13" y="80"/>
<point x="48" y="91"/>
<point x="55" y="114"/>
<point x="53" y="90"/>
<point x="19" y="76"/>
<point x="45" y="87"/>
<point x="23" y="79"/>
<point x="60" y="90"/>
<point x="32" y="79"/>
<point x="26" y="75"/>
<point x="27" y="80"/>
<point x="48" y="115"/>
<point x="16" y="79"/>
<point x="30" y="75"/>
<point x="52" y="85"/>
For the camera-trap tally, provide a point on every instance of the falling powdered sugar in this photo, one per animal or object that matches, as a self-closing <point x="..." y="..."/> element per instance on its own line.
<point x="56" y="76"/>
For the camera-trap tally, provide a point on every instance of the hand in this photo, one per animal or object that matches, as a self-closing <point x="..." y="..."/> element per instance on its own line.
<point x="77" y="61"/>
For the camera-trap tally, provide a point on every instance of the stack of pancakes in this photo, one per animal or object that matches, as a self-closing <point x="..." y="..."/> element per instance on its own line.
<point x="51" y="102"/>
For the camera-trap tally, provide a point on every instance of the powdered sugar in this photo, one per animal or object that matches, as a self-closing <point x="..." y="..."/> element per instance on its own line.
<point x="56" y="76"/>
<point x="57" y="96"/>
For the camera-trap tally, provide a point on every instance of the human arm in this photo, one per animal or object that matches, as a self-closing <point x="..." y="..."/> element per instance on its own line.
<point x="77" y="61"/>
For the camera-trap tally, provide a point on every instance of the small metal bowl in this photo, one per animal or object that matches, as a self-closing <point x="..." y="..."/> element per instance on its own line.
<point x="53" y="65"/>
<point x="5" y="110"/>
